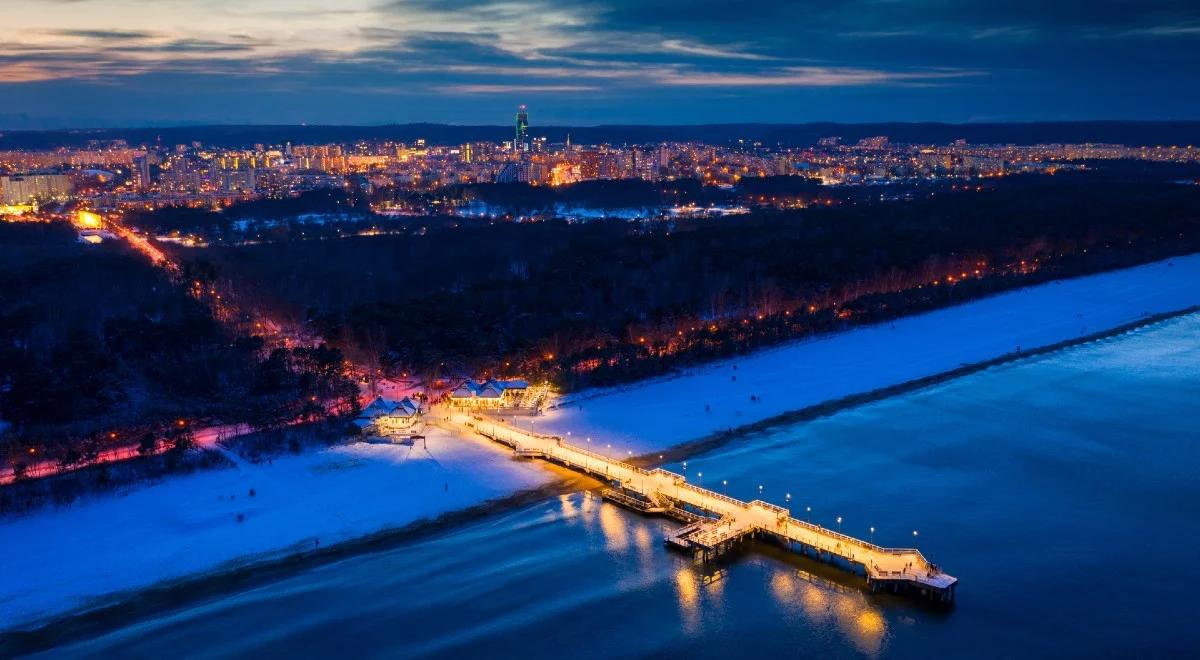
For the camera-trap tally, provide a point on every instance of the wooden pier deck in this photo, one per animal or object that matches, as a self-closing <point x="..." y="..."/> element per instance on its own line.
<point x="717" y="523"/>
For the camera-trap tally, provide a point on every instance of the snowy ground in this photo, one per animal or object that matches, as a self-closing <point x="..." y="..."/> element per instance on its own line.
<point x="658" y="414"/>
<point x="62" y="559"/>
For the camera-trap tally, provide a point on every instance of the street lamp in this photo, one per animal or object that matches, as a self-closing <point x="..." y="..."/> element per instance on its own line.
<point x="725" y="486"/>
<point x="915" y="533"/>
<point x="760" y="491"/>
<point x="808" y="510"/>
<point x="872" y="535"/>
<point x="839" y="523"/>
<point x="788" y="498"/>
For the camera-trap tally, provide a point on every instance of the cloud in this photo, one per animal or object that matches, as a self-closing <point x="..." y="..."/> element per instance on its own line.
<point x="625" y="48"/>
<point x="1004" y="32"/>
<point x="497" y="88"/>
<point x="677" y="46"/>
<point x="1168" y="31"/>
<point x="809" y="76"/>
<point x="104" y="35"/>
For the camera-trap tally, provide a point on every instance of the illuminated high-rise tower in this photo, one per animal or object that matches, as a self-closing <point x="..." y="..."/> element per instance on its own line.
<point x="522" y="139"/>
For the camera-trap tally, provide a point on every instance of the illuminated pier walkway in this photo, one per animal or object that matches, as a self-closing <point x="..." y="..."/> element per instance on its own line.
<point x="716" y="523"/>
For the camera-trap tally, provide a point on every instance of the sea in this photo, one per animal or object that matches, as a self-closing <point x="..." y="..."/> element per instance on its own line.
<point x="1062" y="490"/>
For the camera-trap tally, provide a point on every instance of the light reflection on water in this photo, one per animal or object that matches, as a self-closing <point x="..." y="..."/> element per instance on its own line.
<point x="1026" y="481"/>
<point x="824" y="602"/>
<point x="612" y="525"/>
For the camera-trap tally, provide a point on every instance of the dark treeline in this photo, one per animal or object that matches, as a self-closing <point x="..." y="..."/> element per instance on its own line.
<point x="99" y="349"/>
<point x="627" y="193"/>
<point x="217" y="223"/>
<point x="604" y="302"/>
<point x="241" y="136"/>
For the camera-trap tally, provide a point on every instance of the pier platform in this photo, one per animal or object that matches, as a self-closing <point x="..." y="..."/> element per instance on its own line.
<point x="716" y="523"/>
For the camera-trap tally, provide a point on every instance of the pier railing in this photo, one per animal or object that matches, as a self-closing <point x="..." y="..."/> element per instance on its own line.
<point x="734" y="519"/>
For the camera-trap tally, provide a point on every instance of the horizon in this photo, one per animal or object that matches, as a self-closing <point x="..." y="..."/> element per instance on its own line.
<point x="505" y="126"/>
<point x="1165" y="133"/>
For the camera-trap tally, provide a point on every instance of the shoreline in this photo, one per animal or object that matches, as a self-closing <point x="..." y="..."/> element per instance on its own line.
<point x="833" y="406"/>
<point x="165" y="597"/>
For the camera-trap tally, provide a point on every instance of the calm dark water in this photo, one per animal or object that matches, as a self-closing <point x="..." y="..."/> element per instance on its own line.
<point x="1064" y="492"/>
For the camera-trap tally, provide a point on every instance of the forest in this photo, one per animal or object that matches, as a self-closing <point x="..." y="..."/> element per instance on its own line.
<point x="100" y="349"/>
<point x="629" y="193"/>
<point x="219" y="224"/>
<point x="605" y="302"/>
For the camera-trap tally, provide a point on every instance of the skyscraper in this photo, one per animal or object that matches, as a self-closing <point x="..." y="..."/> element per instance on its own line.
<point x="522" y="139"/>
<point x="142" y="165"/>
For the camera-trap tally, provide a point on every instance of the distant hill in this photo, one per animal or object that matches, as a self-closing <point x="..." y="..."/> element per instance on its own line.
<point x="1126" y="132"/>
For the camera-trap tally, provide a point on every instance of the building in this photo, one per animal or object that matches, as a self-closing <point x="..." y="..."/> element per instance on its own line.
<point x="29" y="187"/>
<point x="141" y="167"/>
<point x="389" y="417"/>
<point x="874" y="142"/>
<point x="521" y="142"/>
<point x="489" y="394"/>
<point x="510" y="173"/>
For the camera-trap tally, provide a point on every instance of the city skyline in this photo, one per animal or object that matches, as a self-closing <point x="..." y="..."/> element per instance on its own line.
<point x="128" y="63"/>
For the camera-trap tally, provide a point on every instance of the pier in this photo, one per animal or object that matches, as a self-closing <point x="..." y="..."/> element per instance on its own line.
<point x="714" y="523"/>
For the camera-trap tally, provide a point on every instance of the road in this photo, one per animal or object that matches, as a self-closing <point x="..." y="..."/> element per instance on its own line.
<point x="206" y="438"/>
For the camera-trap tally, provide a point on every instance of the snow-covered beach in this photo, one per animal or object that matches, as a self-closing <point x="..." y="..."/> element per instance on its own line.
<point x="100" y="549"/>
<point x="666" y="412"/>
<point x="103" y="548"/>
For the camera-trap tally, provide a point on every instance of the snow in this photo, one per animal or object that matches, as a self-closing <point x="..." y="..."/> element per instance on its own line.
<point x="58" y="560"/>
<point x="654" y="415"/>
<point x="580" y="212"/>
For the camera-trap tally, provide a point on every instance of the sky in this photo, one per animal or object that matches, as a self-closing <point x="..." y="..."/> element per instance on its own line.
<point x="88" y="63"/>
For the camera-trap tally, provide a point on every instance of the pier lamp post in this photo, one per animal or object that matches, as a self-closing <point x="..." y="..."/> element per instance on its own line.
<point x="787" y="498"/>
<point x="700" y="479"/>
<point x="872" y="535"/>
<point x="808" y="510"/>
<point x="760" y="491"/>
<point x="915" y="534"/>
<point x="725" y="486"/>
<point x="839" y="523"/>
